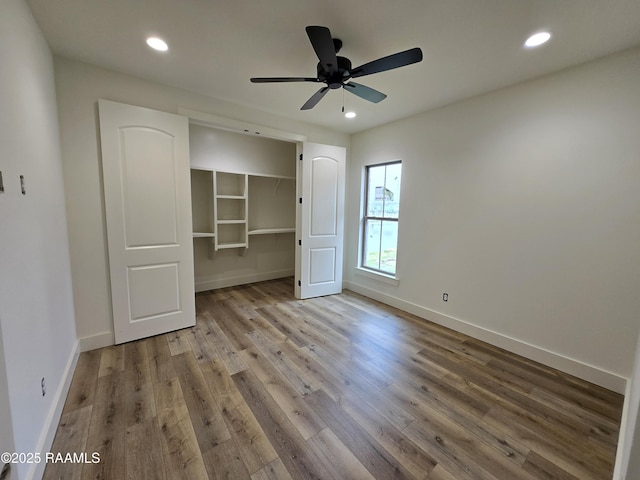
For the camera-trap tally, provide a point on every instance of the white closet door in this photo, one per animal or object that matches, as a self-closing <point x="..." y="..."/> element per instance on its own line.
<point x="321" y="220"/>
<point x="145" y="164"/>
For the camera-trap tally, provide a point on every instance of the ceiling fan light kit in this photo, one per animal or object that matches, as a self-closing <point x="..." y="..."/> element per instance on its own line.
<point x="336" y="72"/>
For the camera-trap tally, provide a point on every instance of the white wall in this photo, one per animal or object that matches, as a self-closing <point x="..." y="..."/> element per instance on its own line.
<point x="36" y="304"/>
<point x="79" y="86"/>
<point x="523" y="205"/>
<point x="268" y="256"/>
<point x="236" y="152"/>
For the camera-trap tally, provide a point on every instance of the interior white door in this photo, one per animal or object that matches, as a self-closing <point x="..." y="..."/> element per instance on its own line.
<point x="321" y="173"/>
<point x="145" y="164"/>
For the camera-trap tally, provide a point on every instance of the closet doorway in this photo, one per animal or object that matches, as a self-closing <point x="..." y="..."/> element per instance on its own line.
<point x="266" y="204"/>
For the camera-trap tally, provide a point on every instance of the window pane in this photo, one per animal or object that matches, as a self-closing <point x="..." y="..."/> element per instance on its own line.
<point x="371" y="255"/>
<point x="380" y="236"/>
<point x="392" y="190"/>
<point x="375" y="191"/>
<point x="389" y="246"/>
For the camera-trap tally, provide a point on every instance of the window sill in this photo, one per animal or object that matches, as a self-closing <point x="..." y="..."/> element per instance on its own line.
<point x="381" y="277"/>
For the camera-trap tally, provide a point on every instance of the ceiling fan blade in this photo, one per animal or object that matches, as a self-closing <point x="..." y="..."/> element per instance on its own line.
<point x="322" y="43"/>
<point x="315" y="98"/>
<point x="282" y="79"/>
<point x="390" y="62"/>
<point x="365" y="92"/>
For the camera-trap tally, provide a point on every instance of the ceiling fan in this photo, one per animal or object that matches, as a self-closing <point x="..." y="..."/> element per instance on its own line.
<point x="336" y="72"/>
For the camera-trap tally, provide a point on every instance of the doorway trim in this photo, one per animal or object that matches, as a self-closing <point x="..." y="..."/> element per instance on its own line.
<point x="240" y="126"/>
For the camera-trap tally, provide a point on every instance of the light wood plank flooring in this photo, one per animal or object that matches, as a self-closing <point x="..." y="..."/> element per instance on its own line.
<point x="267" y="387"/>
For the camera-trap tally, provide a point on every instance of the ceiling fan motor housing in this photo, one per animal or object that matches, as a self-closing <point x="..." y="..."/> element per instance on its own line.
<point x="335" y="79"/>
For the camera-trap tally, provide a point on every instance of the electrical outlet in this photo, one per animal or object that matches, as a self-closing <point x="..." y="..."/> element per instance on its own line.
<point x="44" y="389"/>
<point x="445" y="297"/>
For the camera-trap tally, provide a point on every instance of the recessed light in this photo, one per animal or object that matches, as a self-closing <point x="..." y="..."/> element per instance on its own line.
<point x="537" y="39"/>
<point x="350" y="114"/>
<point x="157" y="44"/>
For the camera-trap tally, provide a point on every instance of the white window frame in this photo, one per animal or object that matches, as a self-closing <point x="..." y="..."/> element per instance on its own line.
<point x="362" y="268"/>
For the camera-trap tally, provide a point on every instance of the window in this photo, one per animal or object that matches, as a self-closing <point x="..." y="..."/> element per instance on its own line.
<point x="380" y="229"/>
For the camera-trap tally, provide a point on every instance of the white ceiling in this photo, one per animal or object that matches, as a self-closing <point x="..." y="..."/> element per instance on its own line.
<point x="470" y="46"/>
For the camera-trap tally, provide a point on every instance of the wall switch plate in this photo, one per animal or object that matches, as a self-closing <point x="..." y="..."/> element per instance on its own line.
<point x="445" y="297"/>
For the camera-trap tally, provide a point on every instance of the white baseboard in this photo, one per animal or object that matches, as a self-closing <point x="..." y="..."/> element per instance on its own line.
<point x="53" y="418"/>
<point x="104" y="339"/>
<point x="565" y="364"/>
<point x="211" y="283"/>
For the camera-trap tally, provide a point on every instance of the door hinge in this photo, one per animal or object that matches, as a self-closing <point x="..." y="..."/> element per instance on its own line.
<point x="300" y="157"/>
<point x="300" y="242"/>
<point x="299" y="283"/>
<point x="300" y="199"/>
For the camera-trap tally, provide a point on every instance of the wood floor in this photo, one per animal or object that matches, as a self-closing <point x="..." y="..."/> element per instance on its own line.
<point x="269" y="387"/>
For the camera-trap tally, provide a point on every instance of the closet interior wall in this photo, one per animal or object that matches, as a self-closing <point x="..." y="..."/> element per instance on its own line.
<point x="264" y="219"/>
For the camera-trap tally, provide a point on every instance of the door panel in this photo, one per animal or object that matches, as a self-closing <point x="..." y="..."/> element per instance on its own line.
<point x="321" y="217"/>
<point x="145" y="163"/>
<point x="155" y="290"/>
<point x="324" y="196"/>
<point x="149" y="187"/>
<point x="322" y="265"/>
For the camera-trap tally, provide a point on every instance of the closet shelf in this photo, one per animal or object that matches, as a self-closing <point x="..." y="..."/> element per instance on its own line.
<point x="268" y="231"/>
<point x="232" y="197"/>
<point x="231" y="245"/>
<point x="231" y="222"/>
<point x="203" y="235"/>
